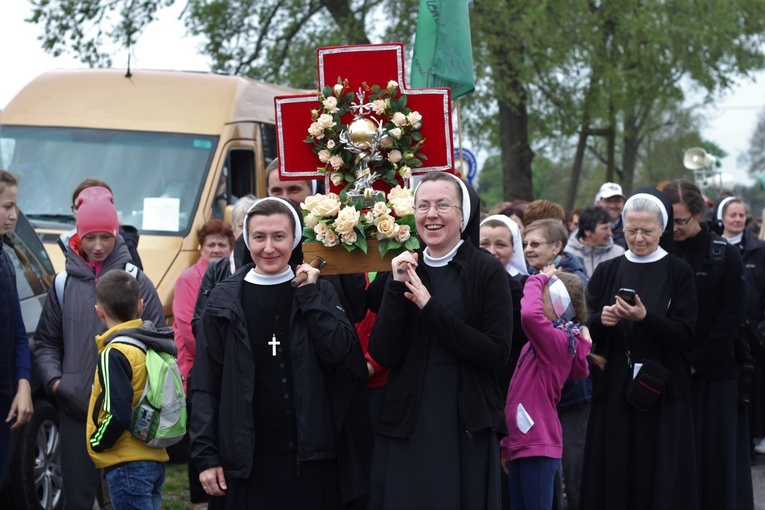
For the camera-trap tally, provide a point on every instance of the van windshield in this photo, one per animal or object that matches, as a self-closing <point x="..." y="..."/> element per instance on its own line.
<point x="156" y="178"/>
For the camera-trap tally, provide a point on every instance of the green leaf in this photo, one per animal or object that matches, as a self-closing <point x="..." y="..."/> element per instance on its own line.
<point x="416" y="135"/>
<point x="380" y="197"/>
<point x="327" y="91"/>
<point x="412" y="243"/>
<point x="350" y="96"/>
<point x="382" y="247"/>
<point x="343" y="196"/>
<point x="421" y="156"/>
<point x="375" y="89"/>
<point x="402" y="102"/>
<point x="361" y="241"/>
<point x="414" y="162"/>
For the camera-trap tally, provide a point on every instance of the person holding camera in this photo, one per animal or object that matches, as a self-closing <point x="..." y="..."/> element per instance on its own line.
<point x="639" y="451"/>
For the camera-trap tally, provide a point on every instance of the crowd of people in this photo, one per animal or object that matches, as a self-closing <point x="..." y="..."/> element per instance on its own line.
<point x="613" y="351"/>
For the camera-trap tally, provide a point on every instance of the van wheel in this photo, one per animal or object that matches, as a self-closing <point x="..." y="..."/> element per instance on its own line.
<point x="36" y="468"/>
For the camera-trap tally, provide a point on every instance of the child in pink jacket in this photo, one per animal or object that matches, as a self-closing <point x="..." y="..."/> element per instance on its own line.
<point x="559" y="345"/>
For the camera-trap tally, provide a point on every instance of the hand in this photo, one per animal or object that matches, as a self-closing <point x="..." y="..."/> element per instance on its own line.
<point x="400" y="262"/>
<point x="586" y="334"/>
<point x="505" y="464"/>
<point x="550" y="270"/>
<point x="54" y="388"/>
<point x="418" y="293"/>
<point x="311" y="273"/>
<point x="371" y="369"/>
<point x="608" y="316"/>
<point x="636" y="312"/>
<point x="21" y="406"/>
<point x="213" y="481"/>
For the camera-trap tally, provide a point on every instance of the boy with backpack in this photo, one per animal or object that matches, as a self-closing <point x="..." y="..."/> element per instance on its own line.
<point x="116" y="435"/>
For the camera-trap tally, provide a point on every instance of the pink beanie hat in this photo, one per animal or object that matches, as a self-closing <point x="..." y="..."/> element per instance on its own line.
<point x="96" y="212"/>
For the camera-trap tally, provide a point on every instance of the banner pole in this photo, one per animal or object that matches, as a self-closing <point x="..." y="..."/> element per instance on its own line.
<point x="459" y="135"/>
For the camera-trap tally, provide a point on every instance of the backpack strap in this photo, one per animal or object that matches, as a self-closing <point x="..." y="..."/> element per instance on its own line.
<point x="60" y="284"/>
<point x="129" y="341"/>
<point x="716" y="255"/>
<point x="132" y="270"/>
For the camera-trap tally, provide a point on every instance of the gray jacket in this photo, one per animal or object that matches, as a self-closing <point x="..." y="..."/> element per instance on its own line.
<point x="591" y="256"/>
<point x="65" y="343"/>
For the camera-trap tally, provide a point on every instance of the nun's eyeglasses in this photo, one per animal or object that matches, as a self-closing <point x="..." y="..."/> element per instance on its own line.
<point x="442" y="207"/>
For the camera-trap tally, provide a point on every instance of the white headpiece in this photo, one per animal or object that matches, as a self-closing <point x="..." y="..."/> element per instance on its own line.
<point x="295" y="215"/>
<point x="655" y="200"/>
<point x="465" y="200"/>
<point x="517" y="261"/>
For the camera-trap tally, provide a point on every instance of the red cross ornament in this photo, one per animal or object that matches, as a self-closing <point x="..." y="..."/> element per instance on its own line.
<point x="373" y="64"/>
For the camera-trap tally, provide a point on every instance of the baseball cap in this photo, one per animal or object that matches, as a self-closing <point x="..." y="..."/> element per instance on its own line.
<point x="610" y="189"/>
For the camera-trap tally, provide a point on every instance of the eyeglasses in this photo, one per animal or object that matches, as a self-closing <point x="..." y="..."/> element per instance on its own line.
<point x="535" y="244"/>
<point x="74" y="209"/>
<point x="633" y="232"/>
<point x="681" y="223"/>
<point x="441" y="207"/>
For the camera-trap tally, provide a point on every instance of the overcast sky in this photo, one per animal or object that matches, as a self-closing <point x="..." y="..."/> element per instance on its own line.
<point x="731" y="120"/>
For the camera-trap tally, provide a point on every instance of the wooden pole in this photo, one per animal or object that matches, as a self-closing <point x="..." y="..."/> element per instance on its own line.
<point x="459" y="137"/>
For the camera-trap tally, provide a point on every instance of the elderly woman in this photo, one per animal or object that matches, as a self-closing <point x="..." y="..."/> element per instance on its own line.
<point x="640" y="454"/>
<point x="543" y="244"/>
<point x="275" y="371"/>
<point x="444" y="332"/>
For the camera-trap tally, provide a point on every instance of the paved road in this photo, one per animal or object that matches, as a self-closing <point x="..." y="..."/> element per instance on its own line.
<point x="758" y="482"/>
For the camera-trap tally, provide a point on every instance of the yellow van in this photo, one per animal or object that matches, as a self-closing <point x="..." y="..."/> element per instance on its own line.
<point x="175" y="147"/>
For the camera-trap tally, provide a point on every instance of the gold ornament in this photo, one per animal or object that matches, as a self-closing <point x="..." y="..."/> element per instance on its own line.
<point x="360" y="132"/>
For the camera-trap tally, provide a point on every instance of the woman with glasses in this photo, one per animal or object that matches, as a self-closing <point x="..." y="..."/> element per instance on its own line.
<point x="721" y="294"/>
<point x="543" y="245"/>
<point x="444" y="329"/>
<point x="640" y="443"/>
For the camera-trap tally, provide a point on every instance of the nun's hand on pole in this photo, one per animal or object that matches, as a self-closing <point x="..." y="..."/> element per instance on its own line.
<point x="311" y="274"/>
<point x="400" y="265"/>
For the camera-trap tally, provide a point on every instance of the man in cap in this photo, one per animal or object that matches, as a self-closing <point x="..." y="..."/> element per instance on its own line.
<point x="611" y="198"/>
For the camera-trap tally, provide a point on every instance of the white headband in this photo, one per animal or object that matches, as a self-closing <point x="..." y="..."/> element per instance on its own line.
<point x="298" y="227"/>
<point x="655" y="200"/>
<point x="517" y="261"/>
<point x="465" y="200"/>
<point x="560" y="298"/>
<point x="721" y="207"/>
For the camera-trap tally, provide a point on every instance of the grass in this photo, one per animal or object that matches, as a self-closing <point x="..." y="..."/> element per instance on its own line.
<point x="175" y="493"/>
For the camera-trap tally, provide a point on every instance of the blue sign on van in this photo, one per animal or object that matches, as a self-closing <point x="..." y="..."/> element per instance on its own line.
<point x="466" y="164"/>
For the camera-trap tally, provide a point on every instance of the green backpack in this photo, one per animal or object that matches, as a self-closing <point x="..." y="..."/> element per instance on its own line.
<point x="159" y="418"/>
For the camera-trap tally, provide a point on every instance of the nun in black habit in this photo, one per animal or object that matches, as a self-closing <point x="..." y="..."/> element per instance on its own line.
<point x="444" y="330"/>
<point x="642" y="458"/>
<point x="276" y="372"/>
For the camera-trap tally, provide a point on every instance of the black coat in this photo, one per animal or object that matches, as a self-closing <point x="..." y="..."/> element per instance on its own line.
<point x="722" y="306"/>
<point x="753" y="253"/>
<point x="641" y="459"/>
<point x="399" y="341"/>
<point x="328" y="368"/>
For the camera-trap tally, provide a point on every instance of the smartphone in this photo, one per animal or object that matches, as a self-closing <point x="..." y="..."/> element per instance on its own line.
<point x="628" y="295"/>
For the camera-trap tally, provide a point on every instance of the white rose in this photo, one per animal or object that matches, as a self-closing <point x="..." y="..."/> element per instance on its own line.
<point x="330" y="239"/>
<point x="369" y="217"/>
<point x="347" y="219"/>
<point x="325" y="206"/>
<point x="314" y="114"/>
<point x="336" y="178"/>
<point x="316" y="130"/>
<point x="396" y="133"/>
<point x="330" y="104"/>
<point x="336" y="162"/>
<point x="398" y="119"/>
<point x="399" y="192"/>
<point x="405" y="172"/>
<point x="330" y="144"/>
<point x="325" y="121"/>
<point x="403" y="207"/>
<point x="392" y="84"/>
<point x="380" y="209"/>
<point x="320" y="230"/>
<point x="415" y="119"/>
<point x="403" y="233"/>
<point x="338" y="88"/>
<point x="349" y="237"/>
<point x="386" y="227"/>
<point x="324" y="155"/>
<point x="386" y="142"/>
<point x="378" y="106"/>
<point x="394" y="156"/>
<point x="310" y="220"/>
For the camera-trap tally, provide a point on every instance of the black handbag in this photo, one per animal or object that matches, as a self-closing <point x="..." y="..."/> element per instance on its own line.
<point x="648" y="385"/>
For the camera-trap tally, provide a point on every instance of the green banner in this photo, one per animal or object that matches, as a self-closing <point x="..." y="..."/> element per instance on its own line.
<point x="443" y="54"/>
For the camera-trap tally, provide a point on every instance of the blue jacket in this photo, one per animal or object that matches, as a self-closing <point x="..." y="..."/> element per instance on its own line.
<point x="15" y="363"/>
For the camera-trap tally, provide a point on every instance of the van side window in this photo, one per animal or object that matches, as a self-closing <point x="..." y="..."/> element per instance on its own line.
<point x="237" y="179"/>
